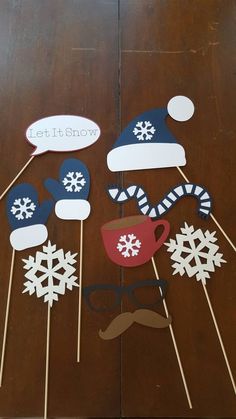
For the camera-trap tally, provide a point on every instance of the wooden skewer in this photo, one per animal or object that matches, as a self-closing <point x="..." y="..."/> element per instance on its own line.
<point x="17" y="176"/>
<point x="223" y="232"/>
<point x="47" y="363"/>
<point x="211" y="215"/>
<point x="174" y="341"/>
<point x="182" y="174"/>
<point x="80" y="290"/>
<point x="219" y="337"/>
<point x="7" y="316"/>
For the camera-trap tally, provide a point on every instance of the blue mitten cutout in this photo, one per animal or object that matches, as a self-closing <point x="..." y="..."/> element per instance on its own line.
<point x="71" y="191"/>
<point x="27" y="217"/>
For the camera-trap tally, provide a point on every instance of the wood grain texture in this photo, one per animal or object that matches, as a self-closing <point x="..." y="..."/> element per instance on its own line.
<point x="171" y="48"/>
<point x="110" y="61"/>
<point x="59" y="58"/>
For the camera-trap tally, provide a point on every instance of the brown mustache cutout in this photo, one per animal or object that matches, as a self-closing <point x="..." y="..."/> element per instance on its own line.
<point x="124" y="320"/>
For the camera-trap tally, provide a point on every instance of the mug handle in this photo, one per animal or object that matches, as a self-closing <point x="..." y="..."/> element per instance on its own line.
<point x="165" y="233"/>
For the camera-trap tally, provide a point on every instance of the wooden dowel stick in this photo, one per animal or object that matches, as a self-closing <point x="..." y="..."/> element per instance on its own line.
<point x="174" y="341"/>
<point x="223" y="232"/>
<point x="80" y="290"/>
<point x="211" y="215"/>
<point x="182" y="174"/>
<point x="7" y="316"/>
<point x="219" y="337"/>
<point x="17" y="176"/>
<point x="47" y="363"/>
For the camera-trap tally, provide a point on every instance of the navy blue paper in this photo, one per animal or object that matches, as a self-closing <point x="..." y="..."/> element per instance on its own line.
<point x="23" y="208"/>
<point x="74" y="181"/>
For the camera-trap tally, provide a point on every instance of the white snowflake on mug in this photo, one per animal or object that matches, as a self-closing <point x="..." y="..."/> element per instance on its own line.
<point x="74" y="181"/>
<point x="195" y="253"/>
<point x="129" y="245"/>
<point x="23" y="208"/>
<point x="50" y="273"/>
<point x="144" y="130"/>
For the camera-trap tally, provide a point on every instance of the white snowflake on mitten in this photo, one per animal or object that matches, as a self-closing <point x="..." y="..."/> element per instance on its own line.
<point x="49" y="273"/>
<point x="74" y="181"/>
<point x="195" y="253"/>
<point x="129" y="245"/>
<point x="144" y="130"/>
<point x="23" y="208"/>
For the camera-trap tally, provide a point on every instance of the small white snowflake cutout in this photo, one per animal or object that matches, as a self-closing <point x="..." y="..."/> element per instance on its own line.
<point x="23" y="208"/>
<point x="195" y="253"/>
<point x="129" y="245"/>
<point x="144" y="130"/>
<point x="50" y="273"/>
<point x="74" y="181"/>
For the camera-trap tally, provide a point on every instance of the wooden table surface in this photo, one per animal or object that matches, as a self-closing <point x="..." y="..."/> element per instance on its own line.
<point x="111" y="60"/>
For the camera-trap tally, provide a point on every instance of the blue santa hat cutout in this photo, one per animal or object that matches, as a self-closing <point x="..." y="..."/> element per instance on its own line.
<point x="71" y="191"/>
<point x="147" y="143"/>
<point x="27" y="217"/>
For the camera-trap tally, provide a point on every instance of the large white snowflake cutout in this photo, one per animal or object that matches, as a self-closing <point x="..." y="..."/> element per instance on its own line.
<point x="195" y="253"/>
<point x="50" y="273"/>
<point x="129" y="245"/>
<point x="144" y="130"/>
<point x="74" y="181"/>
<point x="23" y="208"/>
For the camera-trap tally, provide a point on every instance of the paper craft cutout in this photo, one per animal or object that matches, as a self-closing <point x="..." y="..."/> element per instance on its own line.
<point x="141" y="231"/>
<point x="71" y="193"/>
<point x="120" y="195"/>
<point x="62" y="133"/>
<point x="119" y="291"/>
<point x="50" y="273"/>
<point x="72" y="190"/>
<point x="147" y="143"/>
<point x="131" y="241"/>
<point x="58" y="133"/>
<point x="195" y="253"/>
<point x="180" y="108"/>
<point x="124" y="321"/>
<point x="26" y="217"/>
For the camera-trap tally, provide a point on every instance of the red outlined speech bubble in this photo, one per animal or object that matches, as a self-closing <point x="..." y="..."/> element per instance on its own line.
<point x="62" y="133"/>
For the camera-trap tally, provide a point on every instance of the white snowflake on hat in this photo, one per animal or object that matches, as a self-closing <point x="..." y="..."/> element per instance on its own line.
<point x="144" y="130"/>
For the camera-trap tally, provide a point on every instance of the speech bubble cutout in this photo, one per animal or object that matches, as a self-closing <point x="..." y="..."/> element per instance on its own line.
<point x="62" y="133"/>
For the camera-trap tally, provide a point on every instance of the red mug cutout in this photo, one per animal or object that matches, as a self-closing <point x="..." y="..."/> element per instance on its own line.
<point x="131" y="241"/>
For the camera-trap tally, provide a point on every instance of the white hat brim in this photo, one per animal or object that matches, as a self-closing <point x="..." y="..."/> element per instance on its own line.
<point x="146" y="156"/>
<point x="72" y="209"/>
<point x="30" y="236"/>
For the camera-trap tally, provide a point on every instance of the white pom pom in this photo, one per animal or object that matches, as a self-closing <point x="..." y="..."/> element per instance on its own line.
<point x="180" y="108"/>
